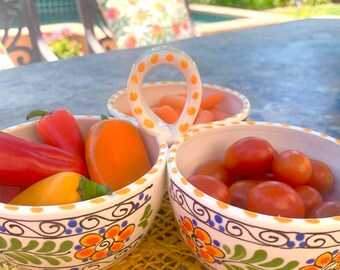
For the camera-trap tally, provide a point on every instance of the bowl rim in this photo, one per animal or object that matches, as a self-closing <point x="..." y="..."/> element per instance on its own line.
<point x="243" y="114"/>
<point x="135" y="187"/>
<point x="210" y="202"/>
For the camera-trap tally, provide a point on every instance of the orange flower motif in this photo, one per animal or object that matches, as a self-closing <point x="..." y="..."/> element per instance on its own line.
<point x="133" y="2"/>
<point x="185" y="25"/>
<point x="113" y="13"/>
<point x="160" y="7"/>
<point x="97" y="246"/>
<point x="199" y="241"/>
<point x="130" y="42"/>
<point x="157" y="31"/>
<point x="141" y="16"/>
<point x="325" y="261"/>
<point x="176" y="29"/>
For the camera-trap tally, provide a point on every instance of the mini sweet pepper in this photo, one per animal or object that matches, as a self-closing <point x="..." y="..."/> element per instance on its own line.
<point x="60" y="188"/>
<point x="23" y="163"/>
<point x="116" y="154"/>
<point x="60" y="128"/>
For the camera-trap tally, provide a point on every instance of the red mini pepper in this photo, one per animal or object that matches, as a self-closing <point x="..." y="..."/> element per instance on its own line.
<point x="59" y="128"/>
<point x="23" y="163"/>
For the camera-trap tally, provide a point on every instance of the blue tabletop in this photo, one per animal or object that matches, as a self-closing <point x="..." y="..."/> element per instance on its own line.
<point x="290" y="72"/>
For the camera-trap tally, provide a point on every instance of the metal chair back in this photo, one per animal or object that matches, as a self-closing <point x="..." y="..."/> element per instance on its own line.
<point x="19" y="22"/>
<point x="98" y="36"/>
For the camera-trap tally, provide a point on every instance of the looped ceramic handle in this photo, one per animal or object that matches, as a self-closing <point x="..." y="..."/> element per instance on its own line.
<point x="164" y="55"/>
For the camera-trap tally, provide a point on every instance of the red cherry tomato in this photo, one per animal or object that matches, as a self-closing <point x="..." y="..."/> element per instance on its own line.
<point x="322" y="178"/>
<point x="310" y="197"/>
<point x="239" y="192"/>
<point x="326" y="209"/>
<point x="217" y="169"/>
<point x="263" y="177"/>
<point x="249" y="156"/>
<point x="276" y="199"/>
<point x="292" y="167"/>
<point x="211" y="186"/>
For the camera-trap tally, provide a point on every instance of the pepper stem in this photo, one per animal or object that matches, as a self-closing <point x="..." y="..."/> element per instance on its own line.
<point x="88" y="189"/>
<point x="36" y="113"/>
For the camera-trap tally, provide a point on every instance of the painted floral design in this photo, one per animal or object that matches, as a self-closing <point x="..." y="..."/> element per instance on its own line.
<point x="5" y="61"/>
<point x="200" y="241"/>
<point x="97" y="246"/>
<point x="137" y="23"/>
<point x="325" y="261"/>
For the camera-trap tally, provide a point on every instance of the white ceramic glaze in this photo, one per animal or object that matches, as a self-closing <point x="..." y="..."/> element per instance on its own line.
<point x="235" y="103"/>
<point x="226" y="237"/>
<point x="164" y="55"/>
<point x="51" y="237"/>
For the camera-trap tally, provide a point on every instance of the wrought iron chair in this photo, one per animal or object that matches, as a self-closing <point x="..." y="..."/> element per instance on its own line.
<point x="18" y="17"/>
<point x="98" y="35"/>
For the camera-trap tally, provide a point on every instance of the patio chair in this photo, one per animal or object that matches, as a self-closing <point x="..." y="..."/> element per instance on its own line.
<point x="98" y="36"/>
<point x="19" y="23"/>
<point x="5" y="61"/>
<point x="135" y="23"/>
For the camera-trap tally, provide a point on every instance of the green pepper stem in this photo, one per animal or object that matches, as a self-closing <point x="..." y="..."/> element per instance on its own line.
<point x="89" y="189"/>
<point x="36" y="113"/>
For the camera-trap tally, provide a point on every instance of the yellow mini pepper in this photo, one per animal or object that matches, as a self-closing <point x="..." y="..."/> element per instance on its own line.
<point x="60" y="188"/>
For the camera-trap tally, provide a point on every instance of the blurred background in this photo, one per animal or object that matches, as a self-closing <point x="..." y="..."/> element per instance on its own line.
<point x="63" y="30"/>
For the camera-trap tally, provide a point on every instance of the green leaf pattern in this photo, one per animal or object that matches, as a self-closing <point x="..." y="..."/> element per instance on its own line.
<point x="239" y="259"/>
<point x="144" y="219"/>
<point x="34" y="253"/>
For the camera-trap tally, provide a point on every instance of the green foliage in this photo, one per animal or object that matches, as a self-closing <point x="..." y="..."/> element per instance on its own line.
<point x="310" y="11"/>
<point x="257" y="4"/>
<point x="62" y="44"/>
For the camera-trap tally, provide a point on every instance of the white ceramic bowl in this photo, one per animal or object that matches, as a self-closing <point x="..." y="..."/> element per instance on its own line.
<point x="227" y="237"/>
<point x="49" y="237"/>
<point x="235" y="103"/>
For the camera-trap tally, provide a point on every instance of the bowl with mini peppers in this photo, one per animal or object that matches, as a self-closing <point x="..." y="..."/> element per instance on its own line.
<point x="167" y="99"/>
<point x="256" y="195"/>
<point x="77" y="192"/>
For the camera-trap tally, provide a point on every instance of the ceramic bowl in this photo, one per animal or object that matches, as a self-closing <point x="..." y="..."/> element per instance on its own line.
<point x="50" y="237"/>
<point x="226" y="237"/>
<point x="235" y="104"/>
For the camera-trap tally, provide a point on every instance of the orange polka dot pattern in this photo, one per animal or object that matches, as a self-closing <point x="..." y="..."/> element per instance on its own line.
<point x="165" y="56"/>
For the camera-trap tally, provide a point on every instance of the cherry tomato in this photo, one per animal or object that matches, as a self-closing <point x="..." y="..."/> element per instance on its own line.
<point x="326" y="209"/>
<point x="211" y="186"/>
<point x="322" y="178"/>
<point x="217" y="169"/>
<point x="276" y="199"/>
<point x="262" y="177"/>
<point x="310" y="197"/>
<point x="249" y="156"/>
<point x="239" y="192"/>
<point x="292" y="167"/>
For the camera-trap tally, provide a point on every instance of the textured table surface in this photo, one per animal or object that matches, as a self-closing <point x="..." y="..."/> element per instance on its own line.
<point x="290" y="72"/>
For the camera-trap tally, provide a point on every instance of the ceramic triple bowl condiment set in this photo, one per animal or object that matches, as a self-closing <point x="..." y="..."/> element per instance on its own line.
<point x="221" y="236"/>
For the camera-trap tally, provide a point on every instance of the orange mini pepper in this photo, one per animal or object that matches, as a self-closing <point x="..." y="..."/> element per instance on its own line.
<point x="115" y="153"/>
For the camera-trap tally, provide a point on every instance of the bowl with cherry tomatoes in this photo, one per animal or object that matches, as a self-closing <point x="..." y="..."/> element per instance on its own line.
<point x="47" y="225"/>
<point x="256" y="195"/>
<point x="166" y="100"/>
